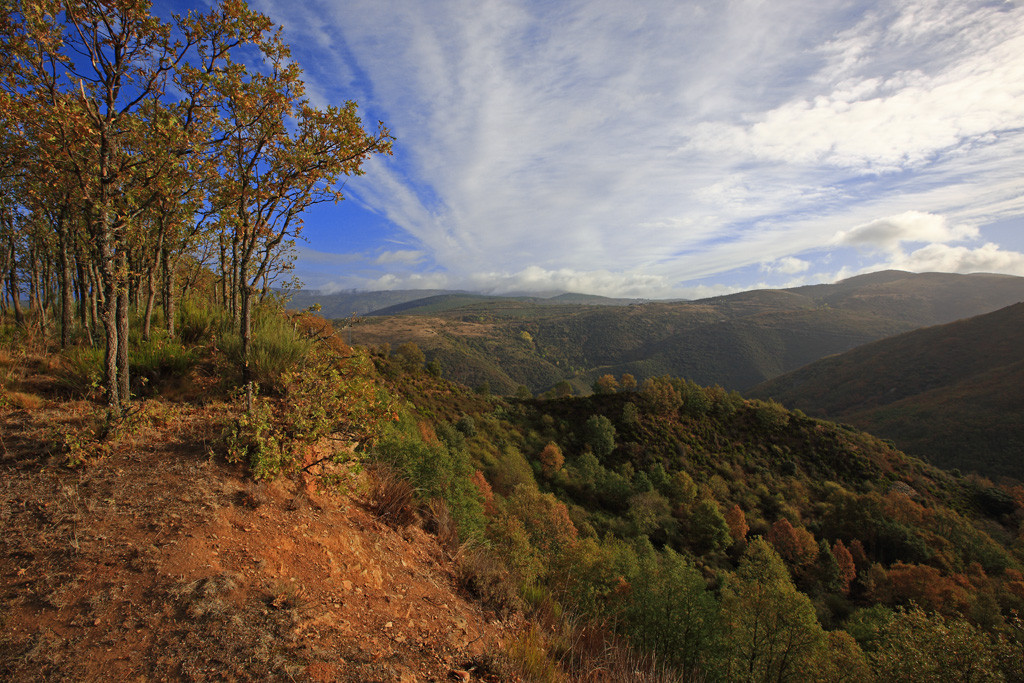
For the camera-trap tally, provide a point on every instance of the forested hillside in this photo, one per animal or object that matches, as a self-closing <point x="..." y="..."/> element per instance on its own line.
<point x="197" y="484"/>
<point x="664" y="529"/>
<point x="950" y="394"/>
<point x="734" y="341"/>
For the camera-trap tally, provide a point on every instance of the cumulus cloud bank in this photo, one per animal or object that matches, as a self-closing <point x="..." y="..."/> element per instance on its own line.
<point x="627" y="148"/>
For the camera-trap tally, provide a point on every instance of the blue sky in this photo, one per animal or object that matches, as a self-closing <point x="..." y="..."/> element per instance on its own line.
<point x="667" y="148"/>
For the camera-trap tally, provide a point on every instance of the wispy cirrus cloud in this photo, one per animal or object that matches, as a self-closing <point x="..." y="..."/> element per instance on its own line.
<point x="630" y="147"/>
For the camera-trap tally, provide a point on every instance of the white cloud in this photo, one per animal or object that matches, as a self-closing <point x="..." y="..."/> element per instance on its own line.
<point x="407" y="257"/>
<point x="911" y="226"/>
<point x="988" y="258"/>
<point x="596" y="143"/>
<point x="788" y="265"/>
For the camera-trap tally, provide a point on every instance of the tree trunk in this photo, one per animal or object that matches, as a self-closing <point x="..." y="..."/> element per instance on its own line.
<point x="98" y="298"/>
<point x="19" y="314"/>
<point x="169" y="294"/>
<point x="151" y="287"/>
<point x="245" y="327"/>
<point x="109" y="284"/>
<point x="83" y="300"/>
<point x="67" y="302"/>
<point x="122" y="329"/>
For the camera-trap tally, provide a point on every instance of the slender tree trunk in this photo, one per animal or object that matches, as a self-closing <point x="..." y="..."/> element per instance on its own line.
<point x="98" y="298"/>
<point x="83" y="299"/>
<point x="169" y="294"/>
<point x="34" y="298"/>
<point x="67" y="303"/>
<point x="123" y="296"/>
<point x="19" y="314"/>
<point x="246" y="330"/>
<point x="109" y="280"/>
<point x="151" y="287"/>
<point x="223" y="271"/>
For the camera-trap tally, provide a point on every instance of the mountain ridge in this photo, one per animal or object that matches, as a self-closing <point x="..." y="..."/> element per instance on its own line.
<point x="737" y="340"/>
<point x="947" y="393"/>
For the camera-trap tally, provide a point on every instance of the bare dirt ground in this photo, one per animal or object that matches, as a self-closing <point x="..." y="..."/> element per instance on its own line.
<point x="156" y="560"/>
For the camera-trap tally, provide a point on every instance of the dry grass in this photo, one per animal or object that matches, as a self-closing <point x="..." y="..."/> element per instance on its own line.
<point x="486" y="578"/>
<point x="390" y="496"/>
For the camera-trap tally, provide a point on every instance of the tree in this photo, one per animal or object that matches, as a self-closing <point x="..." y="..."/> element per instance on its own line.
<point x="410" y="356"/>
<point x="796" y="545"/>
<point x="605" y="384"/>
<point x="277" y="156"/>
<point x="87" y="82"/>
<point x="737" y="522"/>
<point x="916" y="646"/>
<point x="847" y="568"/>
<point x="599" y="434"/>
<point x="551" y="459"/>
<point x="708" y="528"/>
<point x="671" y="612"/>
<point x="771" y="627"/>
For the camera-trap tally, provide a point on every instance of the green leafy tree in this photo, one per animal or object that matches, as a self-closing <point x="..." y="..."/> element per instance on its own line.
<point x="671" y="612"/>
<point x="771" y="627"/>
<point x="709" y="530"/>
<point x="410" y="355"/>
<point x="599" y="434"/>
<point x="916" y="646"/>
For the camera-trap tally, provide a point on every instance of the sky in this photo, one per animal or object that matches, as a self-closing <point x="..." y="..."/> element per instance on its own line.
<point x="666" y="148"/>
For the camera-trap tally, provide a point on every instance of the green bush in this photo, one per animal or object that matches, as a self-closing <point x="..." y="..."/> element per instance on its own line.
<point x="599" y="434"/>
<point x="324" y="396"/>
<point x="437" y="470"/>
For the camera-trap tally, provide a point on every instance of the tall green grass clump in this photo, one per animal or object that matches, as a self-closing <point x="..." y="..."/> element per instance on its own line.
<point x="276" y="348"/>
<point x="200" y="321"/>
<point x="81" y="372"/>
<point x="160" y="359"/>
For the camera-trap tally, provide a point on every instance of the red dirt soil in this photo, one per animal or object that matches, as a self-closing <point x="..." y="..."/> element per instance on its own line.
<point x="159" y="561"/>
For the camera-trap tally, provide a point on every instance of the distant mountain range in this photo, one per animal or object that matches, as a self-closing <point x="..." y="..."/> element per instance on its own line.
<point x="736" y="341"/>
<point x="952" y="394"/>
<point x="344" y="304"/>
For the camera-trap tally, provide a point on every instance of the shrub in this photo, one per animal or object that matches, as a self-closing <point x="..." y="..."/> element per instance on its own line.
<point x="159" y="359"/>
<point x="482" y="574"/>
<point x="390" y="496"/>
<point x="327" y="395"/>
<point x="437" y="470"/>
<point x="275" y="348"/>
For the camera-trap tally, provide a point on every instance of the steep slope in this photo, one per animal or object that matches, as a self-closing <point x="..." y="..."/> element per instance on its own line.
<point x="951" y="394"/>
<point x="158" y="562"/>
